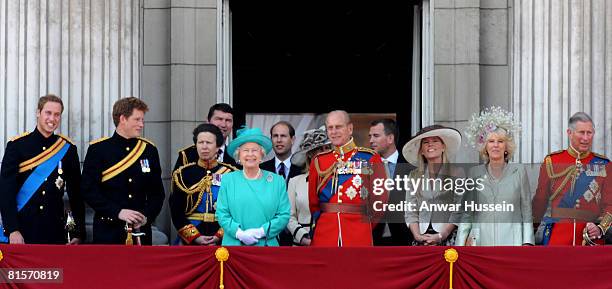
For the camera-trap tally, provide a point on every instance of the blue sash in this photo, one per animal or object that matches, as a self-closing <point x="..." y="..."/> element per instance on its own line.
<point x="569" y="200"/>
<point x="3" y="239"/>
<point x="34" y="181"/>
<point x="38" y="176"/>
<point x="201" y="209"/>
<point x="327" y="192"/>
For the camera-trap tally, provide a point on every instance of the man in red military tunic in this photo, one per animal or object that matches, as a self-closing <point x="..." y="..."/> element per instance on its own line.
<point x="339" y="187"/>
<point x="574" y="183"/>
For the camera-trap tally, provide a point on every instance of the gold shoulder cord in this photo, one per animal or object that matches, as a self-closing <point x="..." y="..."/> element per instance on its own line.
<point x="323" y="176"/>
<point x="204" y="185"/>
<point x="551" y="172"/>
<point x="568" y="173"/>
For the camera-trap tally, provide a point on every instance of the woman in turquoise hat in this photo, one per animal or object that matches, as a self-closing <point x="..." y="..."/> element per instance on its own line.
<point x="252" y="207"/>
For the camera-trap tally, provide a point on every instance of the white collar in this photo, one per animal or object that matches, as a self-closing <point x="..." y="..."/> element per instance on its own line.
<point x="392" y="158"/>
<point x="220" y="156"/>
<point x="277" y="163"/>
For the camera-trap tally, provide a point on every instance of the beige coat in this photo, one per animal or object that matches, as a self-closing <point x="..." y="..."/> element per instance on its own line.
<point x="511" y="228"/>
<point x="299" y="221"/>
<point x="424" y="217"/>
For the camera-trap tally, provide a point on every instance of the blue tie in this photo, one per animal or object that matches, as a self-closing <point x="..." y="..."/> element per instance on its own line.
<point x="391" y="168"/>
<point x="281" y="170"/>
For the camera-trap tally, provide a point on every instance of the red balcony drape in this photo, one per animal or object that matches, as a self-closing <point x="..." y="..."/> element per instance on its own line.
<point x="93" y="266"/>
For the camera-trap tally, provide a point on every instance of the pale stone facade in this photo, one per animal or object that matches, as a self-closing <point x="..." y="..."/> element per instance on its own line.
<point x="543" y="60"/>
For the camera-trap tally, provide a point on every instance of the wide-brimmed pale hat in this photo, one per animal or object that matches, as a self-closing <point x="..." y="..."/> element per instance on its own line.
<point x="450" y="136"/>
<point x="313" y="139"/>
<point x="245" y="135"/>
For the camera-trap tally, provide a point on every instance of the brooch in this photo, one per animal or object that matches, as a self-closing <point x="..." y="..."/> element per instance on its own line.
<point x="59" y="183"/>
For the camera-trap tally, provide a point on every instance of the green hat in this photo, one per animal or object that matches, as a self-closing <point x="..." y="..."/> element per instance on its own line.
<point x="245" y="135"/>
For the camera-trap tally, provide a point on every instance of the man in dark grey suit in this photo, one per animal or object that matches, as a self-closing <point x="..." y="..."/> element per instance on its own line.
<point x="392" y="230"/>
<point x="282" y="134"/>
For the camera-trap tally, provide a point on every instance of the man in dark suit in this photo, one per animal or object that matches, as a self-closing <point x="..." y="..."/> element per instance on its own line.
<point x="283" y="136"/>
<point x="392" y="230"/>
<point x="221" y="115"/>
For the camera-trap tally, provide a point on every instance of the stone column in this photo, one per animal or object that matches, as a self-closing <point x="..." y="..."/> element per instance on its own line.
<point x="179" y="77"/>
<point x="87" y="52"/>
<point x="456" y="65"/>
<point x="562" y="63"/>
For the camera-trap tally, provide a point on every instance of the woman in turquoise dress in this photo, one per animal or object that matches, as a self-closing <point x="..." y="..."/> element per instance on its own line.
<point x="253" y="207"/>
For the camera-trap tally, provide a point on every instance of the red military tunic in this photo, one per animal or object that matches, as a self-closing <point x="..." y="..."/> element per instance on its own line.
<point x="578" y="191"/>
<point x="336" y="196"/>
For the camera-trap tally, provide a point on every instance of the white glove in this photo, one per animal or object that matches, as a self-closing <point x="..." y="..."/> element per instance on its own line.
<point x="257" y="233"/>
<point x="245" y="237"/>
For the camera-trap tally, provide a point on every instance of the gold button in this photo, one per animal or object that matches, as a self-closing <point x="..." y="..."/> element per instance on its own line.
<point x="340" y="187"/>
<point x="127" y="148"/>
<point x="41" y="207"/>
<point x="339" y="193"/>
<point x="44" y="148"/>
<point x="339" y="201"/>
<point x="130" y="196"/>
<point x="43" y="193"/>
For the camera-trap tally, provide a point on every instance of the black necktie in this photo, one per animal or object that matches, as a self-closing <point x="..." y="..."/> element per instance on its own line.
<point x="281" y="170"/>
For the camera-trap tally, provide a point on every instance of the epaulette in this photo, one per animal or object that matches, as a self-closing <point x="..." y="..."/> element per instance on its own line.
<point x="98" y="140"/>
<point x="180" y="169"/>
<point x="233" y="168"/>
<point x="19" y="136"/>
<point x="66" y="138"/>
<point x="322" y="153"/>
<point x="367" y="150"/>
<point x="178" y="180"/>
<point x="146" y="140"/>
<point x="550" y="168"/>
<point x="185" y="148"/>
<point x="601" y="156"/>
<point x="556" y="152"/>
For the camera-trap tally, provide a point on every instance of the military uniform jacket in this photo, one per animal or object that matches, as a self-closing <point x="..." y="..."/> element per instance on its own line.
<point x="193" y="202"/>
<point x="42" y="219"/>
<point x="580" y="192"/>
<point x="115" y="177"/>
<point x="340" y="195"/>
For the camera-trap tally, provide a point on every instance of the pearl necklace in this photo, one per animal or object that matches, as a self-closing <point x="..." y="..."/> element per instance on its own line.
<point x="253" y="178"/>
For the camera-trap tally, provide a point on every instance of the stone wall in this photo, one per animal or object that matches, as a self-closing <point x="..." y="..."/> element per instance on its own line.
<point x="179" y="76"/>
<point x="543" y="60"/>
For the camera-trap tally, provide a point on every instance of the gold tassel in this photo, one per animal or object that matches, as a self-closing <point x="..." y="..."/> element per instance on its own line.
<point x="222" y="255"/>
<point x="451" y="255"/>
<point x="128" y="239"/>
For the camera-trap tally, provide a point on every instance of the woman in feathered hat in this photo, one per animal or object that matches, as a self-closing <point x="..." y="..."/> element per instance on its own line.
<point x="252" y="207"/>
<point x="492" y="133"/>
<point x="430" y="151"/>
<point x="314" y="142"/>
